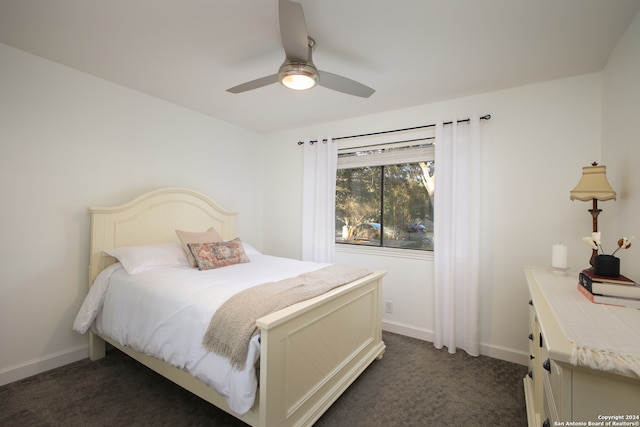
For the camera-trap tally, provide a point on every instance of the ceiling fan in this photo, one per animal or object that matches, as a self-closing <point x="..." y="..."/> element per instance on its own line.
<point x="298" y="71"/>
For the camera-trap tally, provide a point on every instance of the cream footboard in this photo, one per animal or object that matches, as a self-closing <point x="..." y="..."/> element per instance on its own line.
<point x="310" y="352"/>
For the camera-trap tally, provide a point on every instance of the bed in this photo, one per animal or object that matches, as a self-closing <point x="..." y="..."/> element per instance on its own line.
<point x="296" y="385"/>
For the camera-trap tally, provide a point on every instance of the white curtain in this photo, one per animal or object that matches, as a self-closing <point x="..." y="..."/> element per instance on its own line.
<point x="457" y="235"/>
<point x="319" y="201"/>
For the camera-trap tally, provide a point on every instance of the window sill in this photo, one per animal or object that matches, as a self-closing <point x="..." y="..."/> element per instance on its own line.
<point x="385" y="252"/>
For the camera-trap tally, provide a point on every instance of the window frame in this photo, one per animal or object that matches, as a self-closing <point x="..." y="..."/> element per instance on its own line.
<point x="384" y="251"/>
<point x="374" y="155"/>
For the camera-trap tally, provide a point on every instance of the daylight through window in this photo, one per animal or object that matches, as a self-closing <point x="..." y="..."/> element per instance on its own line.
<point x="384" y="195"/>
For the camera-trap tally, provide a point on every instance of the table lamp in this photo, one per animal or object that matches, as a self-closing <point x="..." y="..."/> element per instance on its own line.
<point x="593" y="185"/>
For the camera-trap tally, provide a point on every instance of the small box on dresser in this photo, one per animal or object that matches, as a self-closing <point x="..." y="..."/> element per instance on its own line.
<point x="557" y="391"/>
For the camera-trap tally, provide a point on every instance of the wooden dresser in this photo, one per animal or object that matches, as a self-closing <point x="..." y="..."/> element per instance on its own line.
<point x="557" y="392"/>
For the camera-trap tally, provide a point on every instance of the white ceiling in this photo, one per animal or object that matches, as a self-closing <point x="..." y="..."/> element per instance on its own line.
<point x="411" y="51"/>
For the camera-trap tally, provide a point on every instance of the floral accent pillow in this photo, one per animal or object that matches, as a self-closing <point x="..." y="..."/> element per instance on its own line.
<point x="218" y="254"/>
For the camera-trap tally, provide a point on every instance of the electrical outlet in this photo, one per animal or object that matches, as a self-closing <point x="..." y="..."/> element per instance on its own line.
<point x="388" y="307"/>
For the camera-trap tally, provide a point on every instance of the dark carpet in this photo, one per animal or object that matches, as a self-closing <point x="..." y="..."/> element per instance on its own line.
<point x="412" y="385"/>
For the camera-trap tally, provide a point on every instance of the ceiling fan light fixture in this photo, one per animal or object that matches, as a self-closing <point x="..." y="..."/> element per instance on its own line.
<point x="298" y="71"/>
<point x="298" y="76"/>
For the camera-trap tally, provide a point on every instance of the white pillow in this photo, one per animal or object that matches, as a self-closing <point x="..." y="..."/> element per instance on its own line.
<point x="136" y="259"/>
<point x="250" y="250"/>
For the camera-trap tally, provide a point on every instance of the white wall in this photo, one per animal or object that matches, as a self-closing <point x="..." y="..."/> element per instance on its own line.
<point x="68" y="141"/>
<point x="534" y="146"/>
<point x="621" y="147"/>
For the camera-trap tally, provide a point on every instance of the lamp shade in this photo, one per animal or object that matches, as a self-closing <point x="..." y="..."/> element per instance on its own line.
<point x="593" y="185"/>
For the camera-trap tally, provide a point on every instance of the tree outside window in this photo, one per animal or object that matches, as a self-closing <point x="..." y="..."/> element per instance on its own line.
<point x="388" y="205"/>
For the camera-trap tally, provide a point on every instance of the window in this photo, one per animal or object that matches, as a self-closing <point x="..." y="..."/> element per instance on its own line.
<point x="384" y="196"/>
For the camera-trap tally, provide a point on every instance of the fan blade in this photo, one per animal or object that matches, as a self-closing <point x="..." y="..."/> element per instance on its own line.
<point x="293" y="31"/>
<point x="344" y="85"/>
<point x="254" y="84"/>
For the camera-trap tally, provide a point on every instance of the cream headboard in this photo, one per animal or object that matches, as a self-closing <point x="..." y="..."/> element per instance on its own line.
<point x="153" y="218"/>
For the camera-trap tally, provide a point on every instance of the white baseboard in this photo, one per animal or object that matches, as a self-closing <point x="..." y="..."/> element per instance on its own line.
<point x="42" y="364"/>
<point x="407" y="330"/>
<point x="503" y="353"/>
<point x="497" y="352"/>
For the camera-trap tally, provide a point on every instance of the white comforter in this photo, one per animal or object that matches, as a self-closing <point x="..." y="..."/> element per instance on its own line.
<point x="165" y="313"/>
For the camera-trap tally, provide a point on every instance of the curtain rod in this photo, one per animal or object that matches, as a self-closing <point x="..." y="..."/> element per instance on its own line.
<point x="485" y="117"/>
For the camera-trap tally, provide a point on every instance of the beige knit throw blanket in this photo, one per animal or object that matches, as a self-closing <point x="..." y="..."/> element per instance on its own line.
<point x="234" y="323"/>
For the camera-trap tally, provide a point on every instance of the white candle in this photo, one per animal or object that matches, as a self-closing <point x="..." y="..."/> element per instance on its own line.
<point x="559" y="256"/>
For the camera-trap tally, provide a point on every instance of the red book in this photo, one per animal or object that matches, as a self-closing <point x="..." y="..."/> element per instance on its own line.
<point x="621" y="280"/>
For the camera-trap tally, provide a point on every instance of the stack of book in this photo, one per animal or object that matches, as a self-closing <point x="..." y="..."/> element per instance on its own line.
<point x="618" y="290"/>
